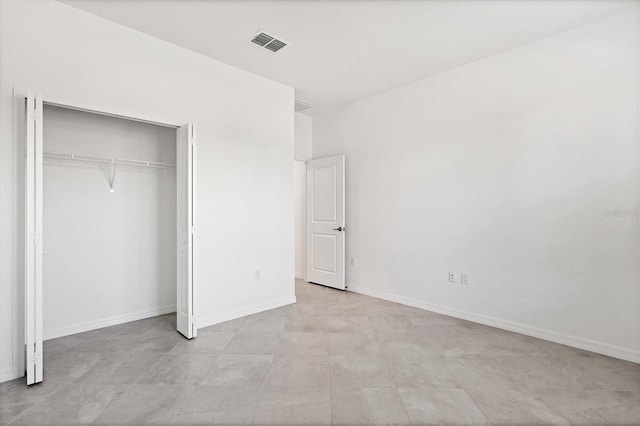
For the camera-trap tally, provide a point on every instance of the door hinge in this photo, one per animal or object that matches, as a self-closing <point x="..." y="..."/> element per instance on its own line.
<point x="35" y="237"/>
<point x="36" y="114"/>
<point x="37" y="357"/>
<point x="193" y="230"/>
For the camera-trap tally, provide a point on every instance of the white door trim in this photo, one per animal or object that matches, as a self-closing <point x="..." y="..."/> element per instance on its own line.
<point x="102" y="111"/>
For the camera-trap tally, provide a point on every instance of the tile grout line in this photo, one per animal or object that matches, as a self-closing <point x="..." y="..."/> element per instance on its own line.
<point x="150" y="367"/>
<point x="183" y="404"/>
<point x="216" y="357"/>
<point x="73" y="382"/>
<point x="478" y="406"/>
<point x="393" y="379"/>
<point x="128" y="386"/>
<point x="273" y="357"/>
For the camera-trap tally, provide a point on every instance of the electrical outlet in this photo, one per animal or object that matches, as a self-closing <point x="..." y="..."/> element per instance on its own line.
<point x="465" y="278"/>
<point x="354" y="261"/>
<point x="452" y="277"/>
<point x="258" y="274"/>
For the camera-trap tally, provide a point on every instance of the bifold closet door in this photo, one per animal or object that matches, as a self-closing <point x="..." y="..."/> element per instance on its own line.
<point x="33" y="238"/>
<point x="185" y="183"/>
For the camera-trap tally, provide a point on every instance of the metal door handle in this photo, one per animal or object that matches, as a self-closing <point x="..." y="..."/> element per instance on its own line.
<point x="339" y="228"/>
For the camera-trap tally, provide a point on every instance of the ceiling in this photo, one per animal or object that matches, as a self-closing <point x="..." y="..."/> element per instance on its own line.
<point x="342" y="51"/>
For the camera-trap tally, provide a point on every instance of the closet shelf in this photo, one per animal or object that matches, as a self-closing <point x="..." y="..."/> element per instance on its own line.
<point x="108" y="161"/>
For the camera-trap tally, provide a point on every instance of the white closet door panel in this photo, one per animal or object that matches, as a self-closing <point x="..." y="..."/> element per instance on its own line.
<point x="33" y="239"/>
<point x="185" y="226"/>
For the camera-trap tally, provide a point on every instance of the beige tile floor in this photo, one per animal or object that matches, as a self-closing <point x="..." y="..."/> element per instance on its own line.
<point x="332" y="358"/>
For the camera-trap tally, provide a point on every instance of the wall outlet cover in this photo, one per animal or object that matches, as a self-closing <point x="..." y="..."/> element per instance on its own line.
<point x="452" y="277"/>
<point x="465" y="277"/>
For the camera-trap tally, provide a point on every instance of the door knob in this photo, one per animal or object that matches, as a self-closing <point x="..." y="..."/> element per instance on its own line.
<point x="339" y="229"/>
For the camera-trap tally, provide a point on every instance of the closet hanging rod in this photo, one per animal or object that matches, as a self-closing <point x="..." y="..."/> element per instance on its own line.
<point x="109" y="161"/>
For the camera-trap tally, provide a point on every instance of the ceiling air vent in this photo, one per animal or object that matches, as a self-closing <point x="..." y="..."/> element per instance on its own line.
<point x="267" y="41"/>
<point x="275" y="45"/>
<point x="301" y="106"/>
<point x="261" y="39"/>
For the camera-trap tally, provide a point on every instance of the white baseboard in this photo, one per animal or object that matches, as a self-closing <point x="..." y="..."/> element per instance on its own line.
<point x="243" y="312"/>
<point x="107" y="322"/>
<point x="299" y="276"/>
<point x="9" y="373"/>
<point x="626" y="354"/>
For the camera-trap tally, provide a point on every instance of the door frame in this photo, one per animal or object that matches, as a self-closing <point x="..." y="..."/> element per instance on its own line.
<point x="31" y="319"/>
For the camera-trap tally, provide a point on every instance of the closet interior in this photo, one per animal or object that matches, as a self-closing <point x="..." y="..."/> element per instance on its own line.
<point x="109" y="220"/>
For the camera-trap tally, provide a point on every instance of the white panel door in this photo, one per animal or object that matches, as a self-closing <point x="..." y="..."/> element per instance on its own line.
<point x="325" y="222"/>
<point x="185" y="183"/>
<point x="33" y="238"/>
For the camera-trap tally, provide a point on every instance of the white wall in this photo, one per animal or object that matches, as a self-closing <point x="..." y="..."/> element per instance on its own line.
<point x="111" y="256"/>
<point x="302" y="153"/>
<point x="303" y="136"/>
<point x="245" y="131"/>
<point x="300" y="202"/>
<point x="505" y="168"/>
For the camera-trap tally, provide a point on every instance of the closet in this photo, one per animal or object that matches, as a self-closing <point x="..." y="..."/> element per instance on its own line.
<point x="108" y="223"/>
<point x="109" y="217"/>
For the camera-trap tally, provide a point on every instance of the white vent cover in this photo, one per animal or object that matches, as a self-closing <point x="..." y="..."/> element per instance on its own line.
<point x="262" y="39"/>
<point x="301" y="106"/>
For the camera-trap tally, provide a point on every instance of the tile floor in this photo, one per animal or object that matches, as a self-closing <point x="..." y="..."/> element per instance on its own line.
<point x="333" y="358"/>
